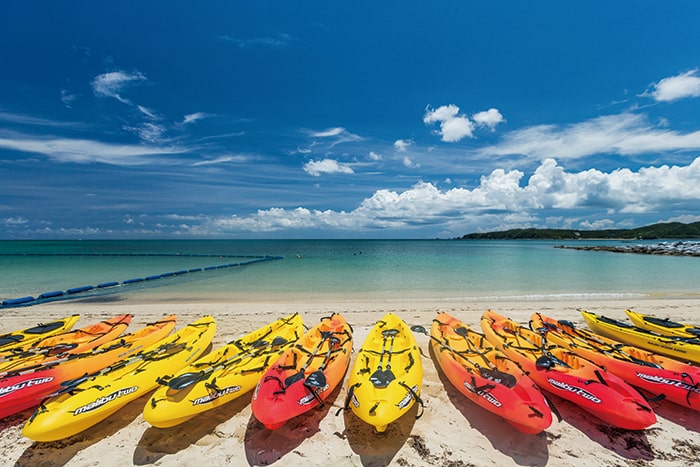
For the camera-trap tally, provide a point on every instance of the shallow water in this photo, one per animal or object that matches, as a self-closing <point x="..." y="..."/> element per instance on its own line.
<point x="384" y="269"/>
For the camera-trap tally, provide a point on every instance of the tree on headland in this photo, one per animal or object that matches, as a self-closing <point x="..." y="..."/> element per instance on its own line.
<point x="668" y="230"/>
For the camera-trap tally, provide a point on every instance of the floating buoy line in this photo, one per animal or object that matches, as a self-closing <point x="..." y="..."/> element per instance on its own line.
<point x="125" y="285"/>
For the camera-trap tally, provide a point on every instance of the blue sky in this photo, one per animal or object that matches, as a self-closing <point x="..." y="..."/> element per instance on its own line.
<point x="346" y="119"/>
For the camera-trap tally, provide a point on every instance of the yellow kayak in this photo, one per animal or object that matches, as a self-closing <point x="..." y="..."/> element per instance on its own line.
<point x="680" y="348"/>
<point x="663" y="325"/>
<point x="89" y="400"/>
<point x="27" y="337"/>
<point x="221" y="376"/>
<point x="387" y="375"/>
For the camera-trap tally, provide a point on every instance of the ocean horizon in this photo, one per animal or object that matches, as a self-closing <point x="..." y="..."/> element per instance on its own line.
<point x="315" y="270"/>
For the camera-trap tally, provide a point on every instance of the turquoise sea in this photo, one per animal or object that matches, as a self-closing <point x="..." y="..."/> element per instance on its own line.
<point x="342" y="269"/>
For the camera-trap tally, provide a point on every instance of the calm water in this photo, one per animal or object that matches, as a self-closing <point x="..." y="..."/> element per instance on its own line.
<point x="344" y="269"/>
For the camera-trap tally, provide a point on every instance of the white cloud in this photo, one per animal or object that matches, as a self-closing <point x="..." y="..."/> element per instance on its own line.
<point x="280" y="40"/>
<point x="374" y="156"/>
<point x="14" y="221"/>
<point x="488" y="118"/>
<point x="624" y="134"/>
<point x="67" y="98"/>
<point x="408" y="162"/>
<point x="402" y="145"/>
<point x="453" y="126"/>
<point x="676" y="87"/>
<point x="326" y="166"/>
<point x="500" y="199"/>
<point x="84" y="151"/>
<point x="222" y="160"/>
<point x="147" y="112"/>
<point x="113" y="83"/>
<point x="149" y="132"/>
<point x="327" y="133"/>
<point x="337" y="134"/>
<point x="194" y="117"/>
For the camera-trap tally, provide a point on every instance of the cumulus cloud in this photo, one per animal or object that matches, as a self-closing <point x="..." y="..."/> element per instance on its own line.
<point x="502" y="194"/>
<point x="326" y="166"/>
<point x="488" y="118"/>
<point x="402" y="145"/>
<point x="453" y="125"/>
<point x="676" y="87"/>
<point x="113" y="83"/>
<point x="408" y="162"/>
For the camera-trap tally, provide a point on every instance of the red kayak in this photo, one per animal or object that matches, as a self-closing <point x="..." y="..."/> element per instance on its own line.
<point x="27" y="389"/>
<point x="674" y="380"/>
<point x="486" y="376"/>
<point x="569" y="376"/>
<point x="305" y="374"/>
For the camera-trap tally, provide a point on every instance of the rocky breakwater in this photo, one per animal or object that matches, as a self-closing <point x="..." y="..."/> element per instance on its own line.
<point x="679" y="248"/>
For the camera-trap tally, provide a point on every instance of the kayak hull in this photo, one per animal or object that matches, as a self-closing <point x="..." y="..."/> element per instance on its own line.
<point x="100" y="396"/>
<point x="663" y="326"/>
<point x="26" y="390"/>
<point x="657" y="374"/>
<point x="487" y="377"/>
<point x="386" y="378"/>
<point x="686" y="350"/>
<point x="66" y="343"/>
<point x="26" y="337"/>
<point x="231" y="371"/>
<point x="587" y="385"/>
<point x="286" y="390"/>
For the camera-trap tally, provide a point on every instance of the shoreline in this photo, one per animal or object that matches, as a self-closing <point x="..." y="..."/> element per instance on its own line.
<point x="451" y="432"/>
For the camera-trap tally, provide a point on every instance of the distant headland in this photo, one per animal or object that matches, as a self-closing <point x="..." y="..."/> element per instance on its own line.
<point x="683" y="233"/>
<point x="665" y="231"/>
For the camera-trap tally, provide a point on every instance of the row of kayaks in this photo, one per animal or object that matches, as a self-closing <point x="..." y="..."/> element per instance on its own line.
<point x="78" y="378"/>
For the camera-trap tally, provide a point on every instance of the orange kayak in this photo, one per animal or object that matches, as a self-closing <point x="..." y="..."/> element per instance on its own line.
<point x="676" y="381"/>
<point x="60" y="345"/>
<point x="486" y="376"/>
<point x="28" y="388"/>
<point x="305" y="374"/>
<point x="569" y="376"/>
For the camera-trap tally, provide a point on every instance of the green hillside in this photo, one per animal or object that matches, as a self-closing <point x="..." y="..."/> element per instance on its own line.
<point x="670" y="230"/>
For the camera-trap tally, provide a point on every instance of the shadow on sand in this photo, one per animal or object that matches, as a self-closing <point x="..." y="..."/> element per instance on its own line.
<point x="677" y="414"/>
<point x="524" y="449"/>
<point x="378" y="449"/>
<point x="263" y="446"/>
<point x="158" y="442"/>
<point x="62" y="451"/>
<point x="630" y="444"/>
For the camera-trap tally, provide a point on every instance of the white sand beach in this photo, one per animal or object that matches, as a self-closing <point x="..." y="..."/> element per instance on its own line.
<point x="452" y="431"/>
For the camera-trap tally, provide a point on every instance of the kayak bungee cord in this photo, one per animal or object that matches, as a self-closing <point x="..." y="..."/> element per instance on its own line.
<point x="105" y="288"/>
